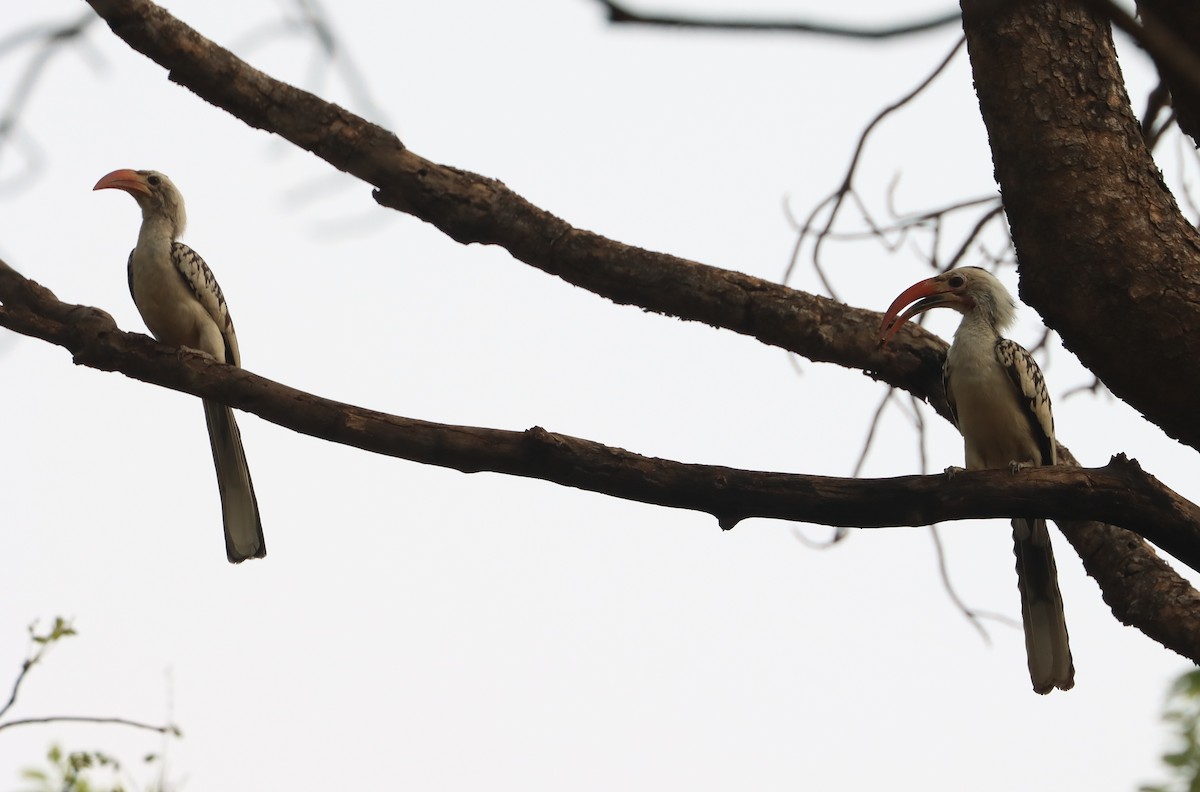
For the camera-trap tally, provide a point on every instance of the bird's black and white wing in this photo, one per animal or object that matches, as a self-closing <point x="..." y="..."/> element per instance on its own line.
<point x="203" y="284"/>
<point x="1026" y="376"/>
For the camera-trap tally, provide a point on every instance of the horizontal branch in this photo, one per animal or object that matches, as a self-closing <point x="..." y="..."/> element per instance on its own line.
<point x="619" y="13"/>
<point x="165" y="729"/>
<point x="471" y="208"/>
<point x="1119" y="494"/>
<point x="1139" y="586"/>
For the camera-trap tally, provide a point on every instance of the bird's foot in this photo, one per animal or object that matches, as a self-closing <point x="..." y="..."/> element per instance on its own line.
<point x="953" y="471"/>
<point x="1015" y="467"/>
<point x="184" y="351"/>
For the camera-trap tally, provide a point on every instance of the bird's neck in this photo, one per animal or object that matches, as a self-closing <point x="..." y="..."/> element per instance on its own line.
<point x="975" y="331"/>
<point x="157" y="229"/>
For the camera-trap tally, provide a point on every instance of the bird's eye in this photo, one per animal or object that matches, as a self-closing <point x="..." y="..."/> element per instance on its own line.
<point x="956" y="281"/>
<point x="154" y="181"/>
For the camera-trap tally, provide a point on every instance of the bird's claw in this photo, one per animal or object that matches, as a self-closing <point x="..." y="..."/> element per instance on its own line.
<point x="953" y="471"/>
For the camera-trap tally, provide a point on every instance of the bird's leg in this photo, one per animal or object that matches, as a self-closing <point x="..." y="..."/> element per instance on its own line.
<point x="1014" y="466"/>
<point x="953" y="471"/>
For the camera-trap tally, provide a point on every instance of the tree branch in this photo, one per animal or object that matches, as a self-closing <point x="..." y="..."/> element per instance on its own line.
<point x="170" y="729"/>
<point x="1120" y="493"/>
<point x="472" y="208"/>
<point x="619" y="13"/>
<point x="1167" y="28"/>
<point x="1072" y="165"/>
<point x="1140" y="587"/>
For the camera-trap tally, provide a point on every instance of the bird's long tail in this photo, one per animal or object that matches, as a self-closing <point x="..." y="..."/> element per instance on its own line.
<point x="1046" y="644"/>
<point x="239" y="507"/>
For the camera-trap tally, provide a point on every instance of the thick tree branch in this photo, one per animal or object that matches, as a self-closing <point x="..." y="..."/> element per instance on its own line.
<point x="1100" y="238"/>
<point x="1140" y="587"/>
<point x="472" y="208"/>
<point x="1120" y="493"/>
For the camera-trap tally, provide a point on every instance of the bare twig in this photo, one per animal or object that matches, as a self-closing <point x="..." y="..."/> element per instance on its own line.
<point x="47" y="41"/>
<point x="974" y="617"/>
<point x="619" y="13"/>
<point x="837" y="197"/>
<point x="1158" y="39"/>
<point x="996" y="210"/>
<point x="40" y="645"/>
<point x="1093" y="387"/>
<point x="1158" y="101"/>
<point x="871" y="428"/>
<point x="62" y="629"/>
<point x="169" y="729"/>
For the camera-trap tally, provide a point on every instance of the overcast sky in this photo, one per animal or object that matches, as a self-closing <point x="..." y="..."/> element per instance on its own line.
<point x="413" y="627"/>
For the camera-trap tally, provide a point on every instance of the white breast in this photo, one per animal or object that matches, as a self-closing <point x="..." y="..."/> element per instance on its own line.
<point x="991" y="416"/>
<point x="168" y="307"/>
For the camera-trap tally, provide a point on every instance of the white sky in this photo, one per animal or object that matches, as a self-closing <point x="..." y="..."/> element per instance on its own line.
<point x="419" y="628"/>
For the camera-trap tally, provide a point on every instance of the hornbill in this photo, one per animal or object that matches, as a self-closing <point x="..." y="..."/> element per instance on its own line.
<point x="1000" y="405"/>
<point x="182" y="305"/>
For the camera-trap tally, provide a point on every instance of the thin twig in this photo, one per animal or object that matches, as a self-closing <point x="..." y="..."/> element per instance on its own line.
<point x="61" y="629"/>
<point x="974" y="617"/>
<point x="618" y="13"/>
<point x="12" y="697"/>
<point x="974" y="234"/>
<point x="167" y="729"/>
<point x="1094" y="387"/>
<point x="874" y="425"/>
<point x="1157" y="38"/>
<point x="838" y="196"/>
<point x="1157" y="101"/>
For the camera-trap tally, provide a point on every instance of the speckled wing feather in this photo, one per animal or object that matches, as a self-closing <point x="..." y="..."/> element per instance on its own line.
<point x="204" y="286"/>
<point x="1025" y="374"/>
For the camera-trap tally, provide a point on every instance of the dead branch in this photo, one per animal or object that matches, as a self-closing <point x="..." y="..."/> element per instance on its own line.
<point x="471" y="208"/>
<point x="620" y="14"/>
<point x="1119" y="493"/>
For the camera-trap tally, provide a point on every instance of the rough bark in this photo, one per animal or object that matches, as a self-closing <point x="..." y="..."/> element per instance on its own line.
<point x="1139" y="587"/>
<point x="1106" y="257"/>
<point x="1120" y="492"/>
<point x="475" y="209"/>
<point x="471" y="208"/>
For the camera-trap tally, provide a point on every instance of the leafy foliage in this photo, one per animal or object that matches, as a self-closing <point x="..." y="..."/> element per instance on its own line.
<point x="1183" y="714"/>
<point x="75" y="771"/>
<point x="72" y="772"/>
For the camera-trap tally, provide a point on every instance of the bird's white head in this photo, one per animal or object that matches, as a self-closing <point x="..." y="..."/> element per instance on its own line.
<point x="968" y="290"/>
<point x="155" y="193"/>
